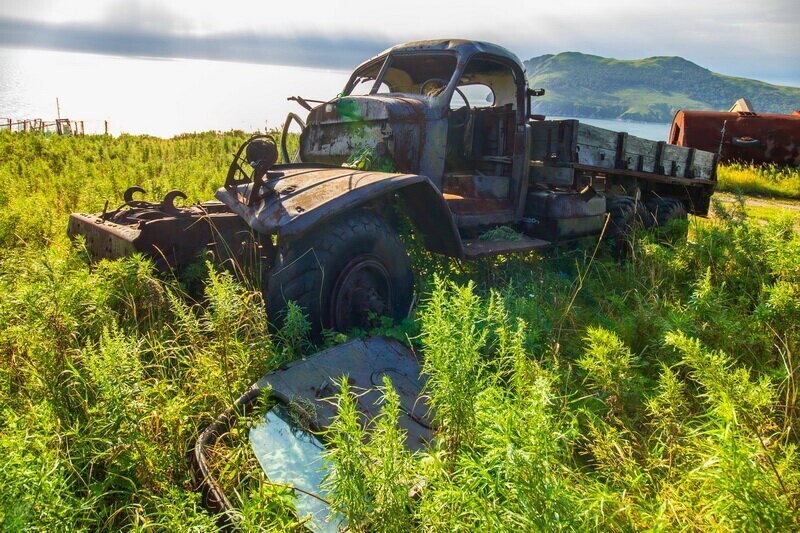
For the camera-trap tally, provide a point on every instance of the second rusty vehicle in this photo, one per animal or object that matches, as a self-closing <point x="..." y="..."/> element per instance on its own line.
<point x="439" y="132"/>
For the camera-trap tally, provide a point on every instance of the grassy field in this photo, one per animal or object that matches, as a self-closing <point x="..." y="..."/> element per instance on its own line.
<point x="572" y="392"/>
<point x="768" y="181"/>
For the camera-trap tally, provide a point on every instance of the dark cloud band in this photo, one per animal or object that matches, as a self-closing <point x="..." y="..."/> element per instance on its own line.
<point x="302" y="50"/>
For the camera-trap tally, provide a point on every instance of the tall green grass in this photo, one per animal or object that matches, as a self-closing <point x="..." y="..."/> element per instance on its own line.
<point x="764" y="180"/>
<point x="569" y="391"/>
<point x="662" y="396"/>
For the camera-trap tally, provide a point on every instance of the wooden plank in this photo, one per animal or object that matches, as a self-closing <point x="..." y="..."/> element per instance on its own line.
<point x="703" y="165"/>
<point x="596" y="146"/>
<point x="658" y="163"/>
<point x="597" y="137"/>
<point x="555" y="143"/>
<point x="658" y="178"/>
<point x="641" y="154"/>
<point x="675" y="158"/>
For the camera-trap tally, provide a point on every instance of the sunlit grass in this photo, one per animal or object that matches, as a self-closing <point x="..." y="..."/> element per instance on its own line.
<point x="573" y="392"/>
<point x="766" y="180"/>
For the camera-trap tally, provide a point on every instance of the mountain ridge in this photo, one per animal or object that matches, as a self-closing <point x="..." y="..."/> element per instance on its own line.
<point x="649" y="90"/>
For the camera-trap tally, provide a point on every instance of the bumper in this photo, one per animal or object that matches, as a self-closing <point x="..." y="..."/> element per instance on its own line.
<point x="172" y="240"/>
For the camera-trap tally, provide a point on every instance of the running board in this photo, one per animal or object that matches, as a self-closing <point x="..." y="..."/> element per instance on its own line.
<point x="476" y="248"/>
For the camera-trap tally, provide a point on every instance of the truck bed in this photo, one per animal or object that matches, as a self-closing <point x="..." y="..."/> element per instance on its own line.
<point x="559" y="148"/>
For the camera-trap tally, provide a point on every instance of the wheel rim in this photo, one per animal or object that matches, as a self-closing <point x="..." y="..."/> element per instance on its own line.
<point x="364" y="288"/>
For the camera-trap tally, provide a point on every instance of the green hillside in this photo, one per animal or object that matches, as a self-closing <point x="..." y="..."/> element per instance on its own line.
<point x="649" y="89"/>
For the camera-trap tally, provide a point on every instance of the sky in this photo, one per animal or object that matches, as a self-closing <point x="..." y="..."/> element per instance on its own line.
<point x="758" y="40"/>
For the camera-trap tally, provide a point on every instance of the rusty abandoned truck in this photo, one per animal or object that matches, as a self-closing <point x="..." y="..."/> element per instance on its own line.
<point x="446" y="140"/>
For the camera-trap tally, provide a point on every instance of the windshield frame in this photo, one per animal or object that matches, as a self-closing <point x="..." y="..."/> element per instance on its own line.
<point x="386" y="61"/>
<point x="363" y="361"/>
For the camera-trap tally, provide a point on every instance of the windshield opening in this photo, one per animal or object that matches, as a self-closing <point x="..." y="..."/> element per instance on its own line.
<point x="426" y="74"/>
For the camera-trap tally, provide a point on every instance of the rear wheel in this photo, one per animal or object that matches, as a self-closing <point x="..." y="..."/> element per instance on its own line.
<point x="667" y="216"/>
<point x="664" y="209"/>
<point x="623" y="214"/>
<point x="621" y="211"/>
<point x="343" y="276"/>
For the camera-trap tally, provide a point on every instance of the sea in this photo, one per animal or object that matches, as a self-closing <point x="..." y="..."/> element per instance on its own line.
<point x="167" y="97"/>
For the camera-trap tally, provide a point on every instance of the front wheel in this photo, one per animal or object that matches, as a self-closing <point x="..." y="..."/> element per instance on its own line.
<point x="344" y="275"/>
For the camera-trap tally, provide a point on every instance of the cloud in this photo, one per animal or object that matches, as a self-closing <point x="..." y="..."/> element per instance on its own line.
<point x="730" y="37"/>
<point x="145" y="17"/>
<point x="304" y="50"/>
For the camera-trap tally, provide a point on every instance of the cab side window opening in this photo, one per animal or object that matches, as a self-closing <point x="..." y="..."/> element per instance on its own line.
<point x="482" y="119"/>
<point x="476" y="95"/>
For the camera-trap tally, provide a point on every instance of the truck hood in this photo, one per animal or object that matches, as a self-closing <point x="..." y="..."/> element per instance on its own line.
<point x="296" y="197"/>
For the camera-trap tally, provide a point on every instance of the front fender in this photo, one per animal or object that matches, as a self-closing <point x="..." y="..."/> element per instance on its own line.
<point x="304" y="196"/>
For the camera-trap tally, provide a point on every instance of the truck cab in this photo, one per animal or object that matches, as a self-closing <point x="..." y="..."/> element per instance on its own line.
<point x="454" y="111"/>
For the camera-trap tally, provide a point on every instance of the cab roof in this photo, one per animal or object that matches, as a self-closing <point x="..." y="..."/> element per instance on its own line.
<point x="463" y="47"/>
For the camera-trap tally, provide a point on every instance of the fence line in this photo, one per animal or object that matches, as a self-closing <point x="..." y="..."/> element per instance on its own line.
<point x="61" y="126"/>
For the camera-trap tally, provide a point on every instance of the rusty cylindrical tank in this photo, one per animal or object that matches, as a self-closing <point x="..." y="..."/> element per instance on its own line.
<point x="740" y="135"/>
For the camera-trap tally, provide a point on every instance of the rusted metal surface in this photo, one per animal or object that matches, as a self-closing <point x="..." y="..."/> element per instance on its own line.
<point x="304" y="196"/>
<point x="170" y="235"/>
<point x="740" y="136"/>
<point x="467" y="63"/>
<point x="479" y="186"/>
<point x="477" y="248"/>
<point x="465" y="49"/>
<point x="364" y="362"/>
<point x="310" y="384"/>
<point x="337" y="129"/>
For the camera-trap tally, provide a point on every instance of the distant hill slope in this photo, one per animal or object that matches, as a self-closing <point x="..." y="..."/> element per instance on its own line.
<point x="650" y="89"/>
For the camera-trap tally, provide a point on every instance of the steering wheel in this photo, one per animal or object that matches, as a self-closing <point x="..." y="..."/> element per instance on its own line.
<point x="469" y="113"/>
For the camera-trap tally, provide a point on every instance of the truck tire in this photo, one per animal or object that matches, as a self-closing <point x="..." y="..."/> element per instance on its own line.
<point x="621" y="212"/>
<point x="621" y="219"/>
<point x="663" y="209"/>
<point x="342" y="275"/>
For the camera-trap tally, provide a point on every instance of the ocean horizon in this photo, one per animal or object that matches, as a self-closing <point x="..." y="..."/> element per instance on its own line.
<point x="167" y="97"/>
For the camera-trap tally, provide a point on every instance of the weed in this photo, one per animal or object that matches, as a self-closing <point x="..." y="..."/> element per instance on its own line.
<point x="568" y="391"/>
<point x="761" y="180"/>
